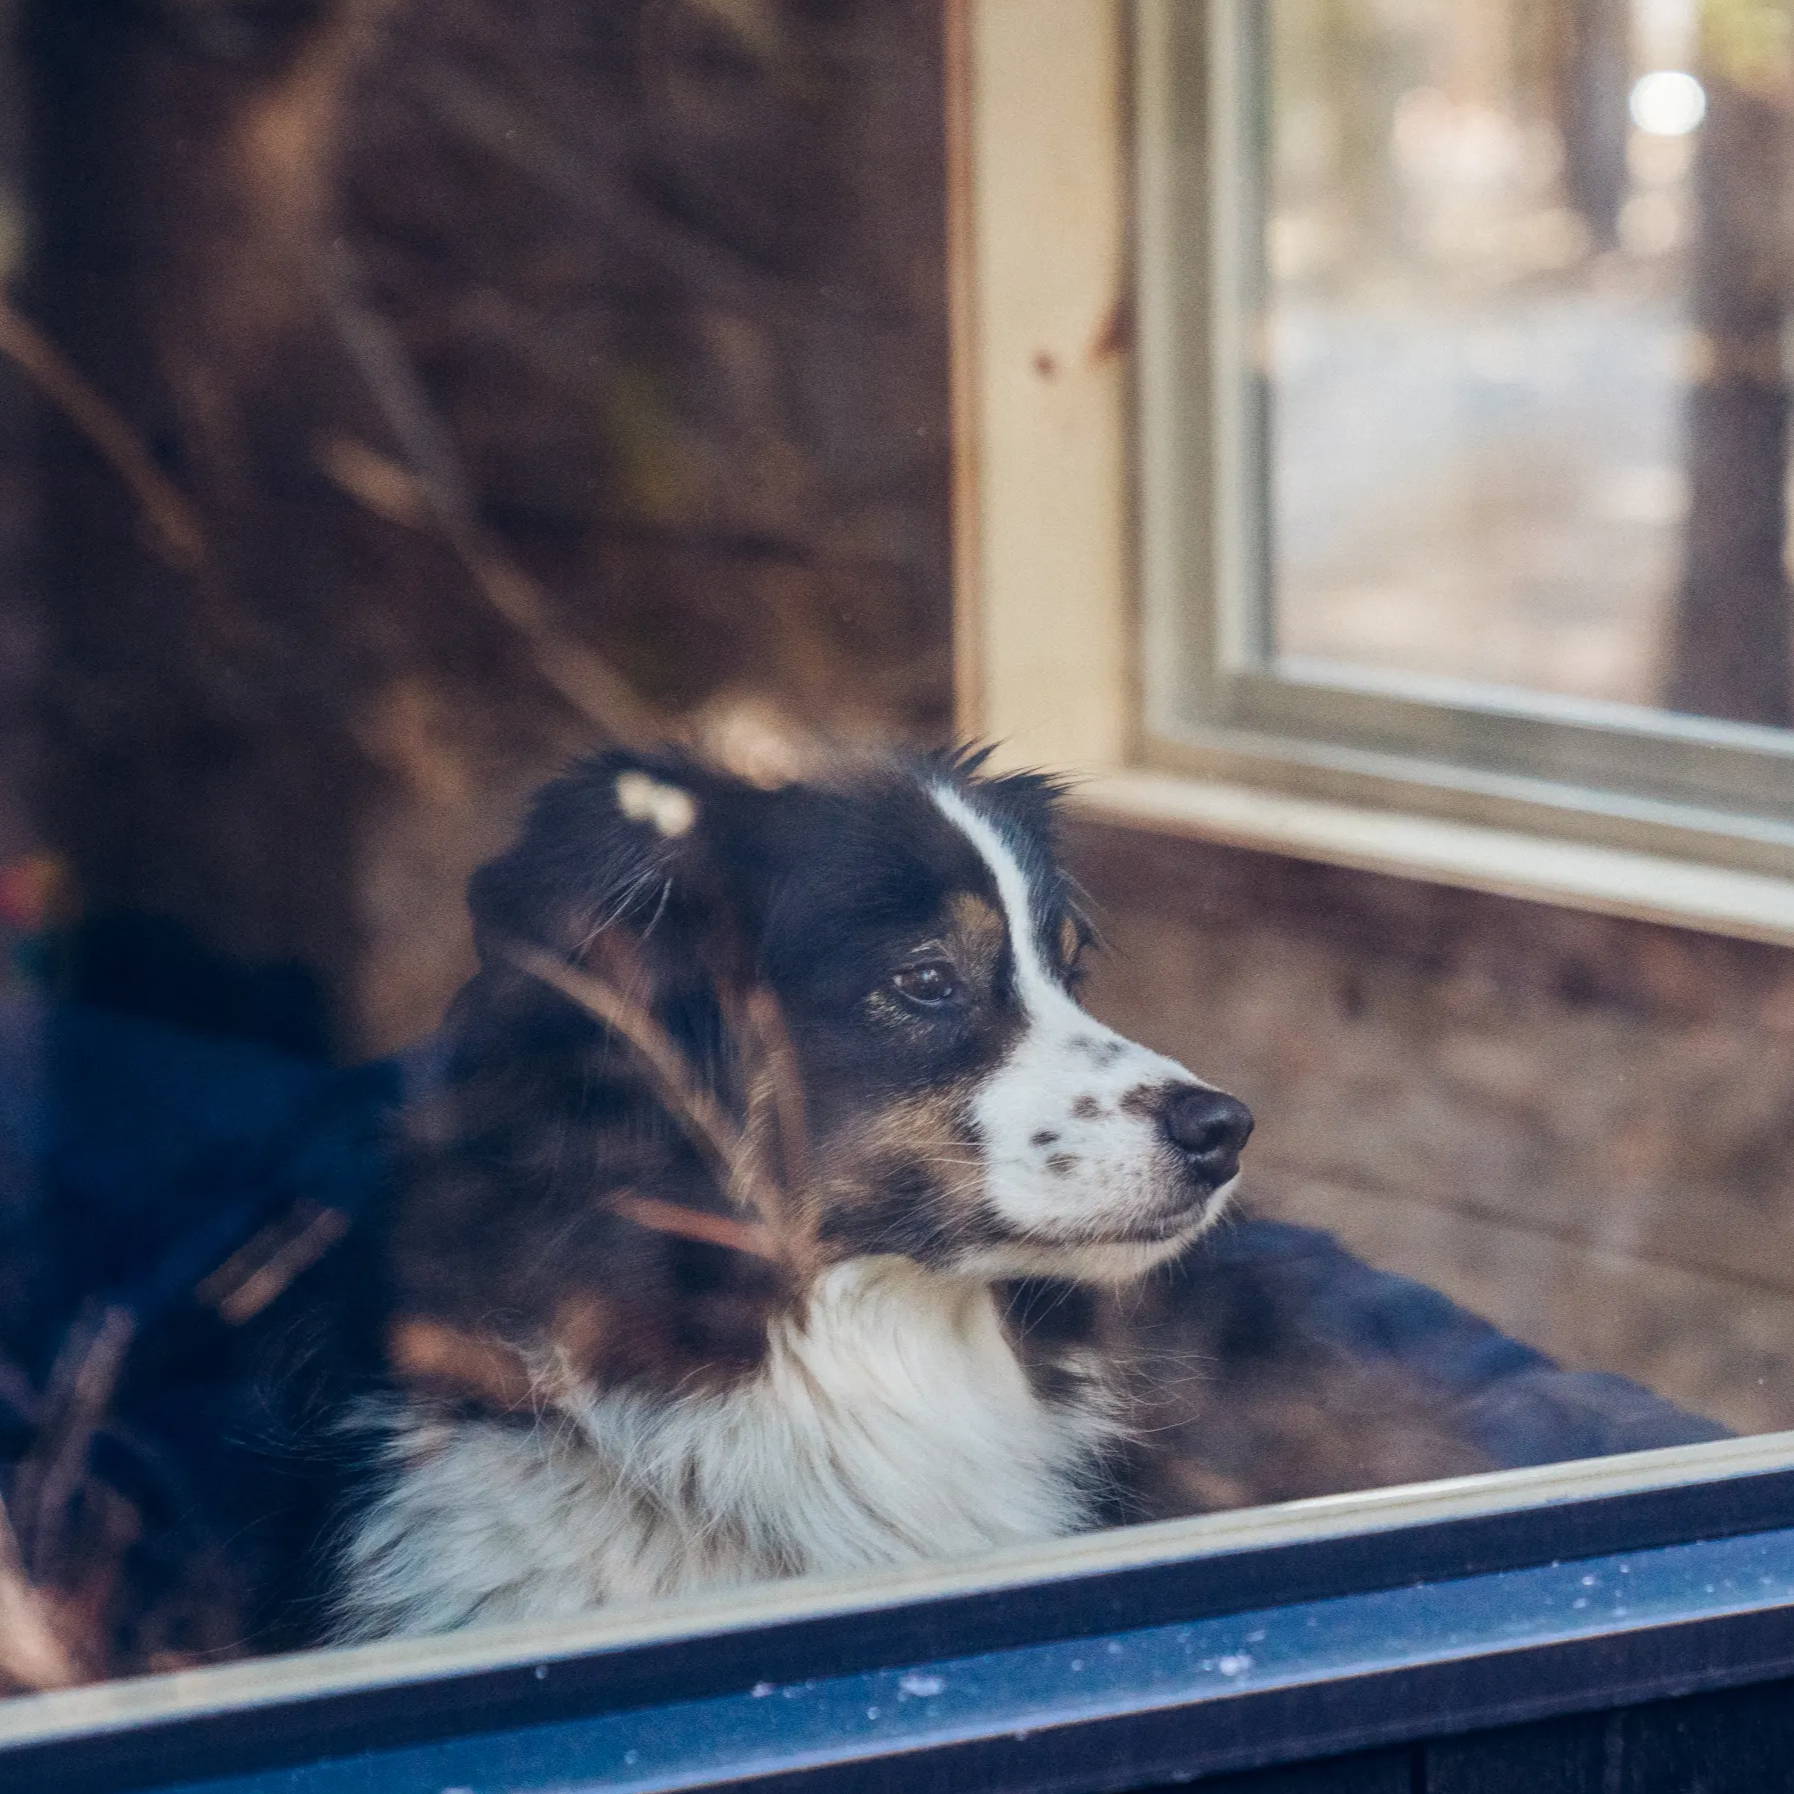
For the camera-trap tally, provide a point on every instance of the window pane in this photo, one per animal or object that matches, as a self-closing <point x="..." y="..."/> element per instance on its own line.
<point x="712" y="1159"/>
<point x="1526" y="278"/>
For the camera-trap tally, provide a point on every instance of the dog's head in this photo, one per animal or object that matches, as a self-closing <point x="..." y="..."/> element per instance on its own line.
<point x="912" y="923"/>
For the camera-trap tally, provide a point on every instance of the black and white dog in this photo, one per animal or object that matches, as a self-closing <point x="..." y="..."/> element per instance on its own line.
<point x="629" y="1367"/>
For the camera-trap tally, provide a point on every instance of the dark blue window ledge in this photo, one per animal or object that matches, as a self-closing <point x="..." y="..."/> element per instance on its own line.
<point x="1118" y="1663"/>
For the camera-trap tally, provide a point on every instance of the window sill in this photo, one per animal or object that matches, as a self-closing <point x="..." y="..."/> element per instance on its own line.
<point x="1615" y="881"/>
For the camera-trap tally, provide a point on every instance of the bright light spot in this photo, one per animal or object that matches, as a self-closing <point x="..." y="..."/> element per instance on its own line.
<point x="1668" y="103"/>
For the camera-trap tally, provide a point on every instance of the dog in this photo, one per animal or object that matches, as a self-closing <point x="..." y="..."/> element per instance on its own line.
<point x="762" y="1218"/>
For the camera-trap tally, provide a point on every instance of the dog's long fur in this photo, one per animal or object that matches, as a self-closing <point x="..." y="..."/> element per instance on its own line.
<point x="628" y="1364"/>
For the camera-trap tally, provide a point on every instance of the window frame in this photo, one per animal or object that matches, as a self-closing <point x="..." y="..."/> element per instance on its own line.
<point x="1110" y="556"/>
<point x="1473" y="1623"/>
<point x="1216" y="695"/>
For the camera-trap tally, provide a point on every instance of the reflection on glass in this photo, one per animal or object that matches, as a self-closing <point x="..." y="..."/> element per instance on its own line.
<point x="420" y="1206"/>
<point x="1526" y="277"/>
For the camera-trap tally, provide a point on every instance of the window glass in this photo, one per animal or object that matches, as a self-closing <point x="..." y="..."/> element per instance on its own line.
<point x="1527" y="281"/>
<point x="464" y="1159"/>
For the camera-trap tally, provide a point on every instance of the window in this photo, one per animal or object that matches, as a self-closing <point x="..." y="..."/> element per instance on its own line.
<point x="431" y="392"/>
<point x="1471" y="499"/>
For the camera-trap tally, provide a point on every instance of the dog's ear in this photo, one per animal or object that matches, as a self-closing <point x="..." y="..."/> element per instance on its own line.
<point x="619" y="841"/>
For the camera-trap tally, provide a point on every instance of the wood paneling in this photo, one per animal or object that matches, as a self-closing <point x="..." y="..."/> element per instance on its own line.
<point x="1579" y="1125"/>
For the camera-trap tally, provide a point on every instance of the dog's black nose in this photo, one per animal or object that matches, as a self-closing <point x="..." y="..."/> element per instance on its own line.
<point x="1208" y="1127"/>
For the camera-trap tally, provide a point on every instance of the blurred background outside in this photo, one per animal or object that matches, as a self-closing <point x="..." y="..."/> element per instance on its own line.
<point x="1528" y="272"/>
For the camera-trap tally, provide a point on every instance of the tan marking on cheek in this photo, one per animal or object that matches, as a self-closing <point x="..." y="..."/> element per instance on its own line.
<point x="929" y="1132"/>
<point x="1071" y="942"/>
<point x="433" y="1356"/>
<point x="927" y="1128"/>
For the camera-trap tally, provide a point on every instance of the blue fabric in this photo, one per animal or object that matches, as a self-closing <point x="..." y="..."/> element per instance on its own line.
<point x="162" y="1150"/>
<point x="1510" y="1401"/>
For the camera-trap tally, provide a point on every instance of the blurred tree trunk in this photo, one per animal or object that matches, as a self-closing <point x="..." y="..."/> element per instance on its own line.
<point x="1732" y="646"/>
<point x="1360" y="86"/>
<point x="1593" y="69"/>
<point x="203" y="783"/>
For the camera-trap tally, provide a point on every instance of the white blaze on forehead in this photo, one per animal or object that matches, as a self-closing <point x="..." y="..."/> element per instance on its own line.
<point x="1035" y="985"/>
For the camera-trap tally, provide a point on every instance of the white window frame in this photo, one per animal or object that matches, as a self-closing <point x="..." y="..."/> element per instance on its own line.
<point x="1111" y="610"/>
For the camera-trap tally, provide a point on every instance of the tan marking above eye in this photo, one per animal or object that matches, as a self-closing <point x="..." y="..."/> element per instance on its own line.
<point x="1071" y="941"/>
<point x="976" y="928"/>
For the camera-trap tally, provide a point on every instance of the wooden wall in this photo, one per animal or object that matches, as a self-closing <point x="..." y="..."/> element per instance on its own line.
<point x="1581" y="1127"/>
<point x="517" y="376"/>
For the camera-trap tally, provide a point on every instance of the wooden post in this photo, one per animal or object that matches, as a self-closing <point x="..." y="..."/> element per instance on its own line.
<point x="1732" y="648"/>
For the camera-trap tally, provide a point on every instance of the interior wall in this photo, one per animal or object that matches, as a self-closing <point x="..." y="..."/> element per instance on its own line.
<point x="510" y="378"/>
<point x="1575" y="1124"/>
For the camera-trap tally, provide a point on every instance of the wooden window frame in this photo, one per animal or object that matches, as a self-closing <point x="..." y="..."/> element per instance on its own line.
<point x="1102" y="227"/>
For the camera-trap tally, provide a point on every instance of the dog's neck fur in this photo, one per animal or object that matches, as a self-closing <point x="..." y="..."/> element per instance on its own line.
<point x="892" y="1420"/>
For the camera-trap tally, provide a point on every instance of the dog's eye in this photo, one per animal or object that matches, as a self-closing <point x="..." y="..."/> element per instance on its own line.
<point x="931" y="983"/>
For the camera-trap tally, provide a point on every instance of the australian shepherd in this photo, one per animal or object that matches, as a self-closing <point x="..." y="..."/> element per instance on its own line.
<point x="760" y="1220"/>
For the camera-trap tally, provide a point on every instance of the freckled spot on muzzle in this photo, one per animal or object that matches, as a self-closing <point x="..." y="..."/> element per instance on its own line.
<point x="1145" y="1102"/>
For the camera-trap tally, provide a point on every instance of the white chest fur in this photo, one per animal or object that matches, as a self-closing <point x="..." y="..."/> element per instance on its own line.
<point x="894" y="1423"/>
